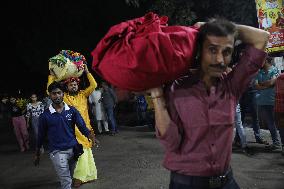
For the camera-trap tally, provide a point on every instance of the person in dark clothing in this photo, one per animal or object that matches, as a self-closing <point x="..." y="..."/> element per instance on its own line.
<point x="141" y="109"/>
<point x="248" y="103"/>
<point x="109" y="101"/>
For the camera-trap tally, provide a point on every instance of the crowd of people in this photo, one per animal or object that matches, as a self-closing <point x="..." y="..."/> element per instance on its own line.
<point x="264" y="103"/>
<point x="194" y="115"/>
<point x="35" y="129"/>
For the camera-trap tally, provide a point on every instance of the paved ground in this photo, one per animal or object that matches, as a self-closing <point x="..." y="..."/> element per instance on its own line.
<point x="132" y="160"/>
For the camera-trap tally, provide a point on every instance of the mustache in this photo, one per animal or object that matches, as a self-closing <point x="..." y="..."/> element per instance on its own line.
<point x="57" y="101"/>
<point x="218" y="66"/>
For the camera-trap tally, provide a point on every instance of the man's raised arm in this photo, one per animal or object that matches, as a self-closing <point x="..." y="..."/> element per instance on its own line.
<point x="92" y="81"/>
<point x="253" y="36"/>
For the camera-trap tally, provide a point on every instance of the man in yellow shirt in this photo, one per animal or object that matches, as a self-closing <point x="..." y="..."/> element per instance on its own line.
<point x="85" y="170"/>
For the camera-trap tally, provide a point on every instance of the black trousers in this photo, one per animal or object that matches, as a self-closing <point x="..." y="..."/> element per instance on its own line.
<point x="179" y="181"/>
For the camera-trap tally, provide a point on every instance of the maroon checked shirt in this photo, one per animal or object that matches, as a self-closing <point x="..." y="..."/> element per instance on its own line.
<point x="199" y="139"/>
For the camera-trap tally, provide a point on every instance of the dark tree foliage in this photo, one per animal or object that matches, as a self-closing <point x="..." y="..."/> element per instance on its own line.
<point x="185" y="12"/>
<point x="240" y="11"/>
<point x="178" y="11"/>
<point x="36" y="30"/>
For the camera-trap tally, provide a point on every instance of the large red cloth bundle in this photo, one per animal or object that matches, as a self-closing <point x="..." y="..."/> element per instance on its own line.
<point x="144" y="53"/>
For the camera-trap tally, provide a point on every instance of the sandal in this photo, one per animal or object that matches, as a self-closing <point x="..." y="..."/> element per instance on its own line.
<point x="77" y="183"/>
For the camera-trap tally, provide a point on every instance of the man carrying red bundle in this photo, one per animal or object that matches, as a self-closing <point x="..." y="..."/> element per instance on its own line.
<point x="195" y="116"/>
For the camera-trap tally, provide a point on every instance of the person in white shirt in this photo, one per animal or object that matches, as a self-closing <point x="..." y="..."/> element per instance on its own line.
<point x="95" y="100"/>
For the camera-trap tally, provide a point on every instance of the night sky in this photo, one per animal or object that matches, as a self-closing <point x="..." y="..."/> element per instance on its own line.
<point x="34" y="31"/>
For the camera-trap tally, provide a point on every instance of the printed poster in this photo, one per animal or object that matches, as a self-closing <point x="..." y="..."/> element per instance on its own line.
<point x="270" y="18"/>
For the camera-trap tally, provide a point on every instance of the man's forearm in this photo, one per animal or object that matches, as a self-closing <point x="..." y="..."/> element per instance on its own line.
<point x="253" y="36"/>
<point x="50" y="79"/>
<point x="92" y="81"/>
<point x="83" y="129"/>
<point x="260" y="86"/>
<point x="162" y="117"/>
<point x="268" y="83"/>
<point x="92" y="86"/>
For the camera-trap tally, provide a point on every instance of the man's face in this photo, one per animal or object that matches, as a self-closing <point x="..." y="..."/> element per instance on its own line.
<point x="56" y="96"/>
<point x="216" y="55"/>
<point x="13" y="100"/>
<point x="72" y="87"/>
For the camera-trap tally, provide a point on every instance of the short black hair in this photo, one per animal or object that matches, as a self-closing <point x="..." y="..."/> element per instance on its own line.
<point x="219" y="26"/>
<point x="55" y="85"/>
